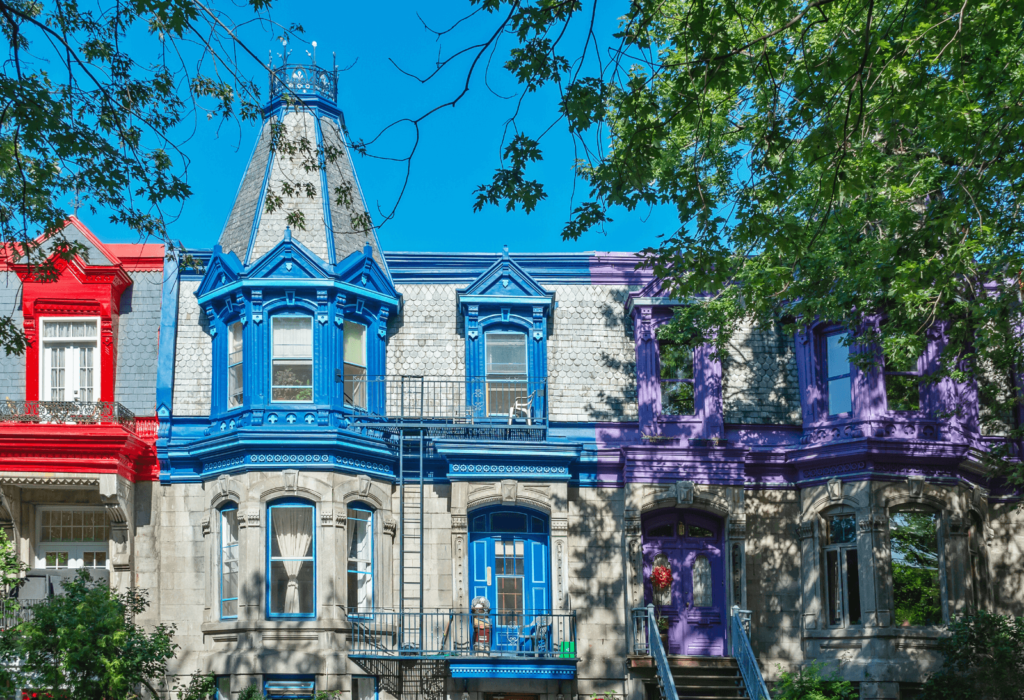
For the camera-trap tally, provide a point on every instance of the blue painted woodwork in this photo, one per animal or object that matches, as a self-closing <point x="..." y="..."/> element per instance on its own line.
<point x="505" y="298"/>
<point x="291" y="281"/>
<point x="289" y="503"/>
<point x="512" y="668"/>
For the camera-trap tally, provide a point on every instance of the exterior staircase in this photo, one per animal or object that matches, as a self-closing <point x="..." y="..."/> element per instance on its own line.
<point x="707" y="678"/>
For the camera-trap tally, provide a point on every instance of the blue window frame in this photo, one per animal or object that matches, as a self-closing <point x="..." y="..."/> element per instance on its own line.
<point x="355" y="364"/>
<point x="229" y="562"/>
<point x="837" y="374"/>
<point x="291" y="562"/>
<point x="279" y="687"/>
<point x="236" y="382"/>
<point x="360" y="558"/>
<point x="222" y="691"/>
<point x="291" y="362"/>
<point x="364" y="688"/>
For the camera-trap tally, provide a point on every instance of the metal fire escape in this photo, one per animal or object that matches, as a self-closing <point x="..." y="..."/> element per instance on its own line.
<point x="405" y="649"/>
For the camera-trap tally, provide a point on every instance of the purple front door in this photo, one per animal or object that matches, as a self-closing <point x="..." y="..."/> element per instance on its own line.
<point x="690" y="544"/>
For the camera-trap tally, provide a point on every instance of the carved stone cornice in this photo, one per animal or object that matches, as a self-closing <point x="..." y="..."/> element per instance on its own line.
<point x="390" y="525"/>
<point x="737" y="527"/>
<point x="872" y="523"/>
<point x="460" y="524"/>
<point x="559" y="527"/>
<point x="332" y="518"/>
<point x="249" y="518"/>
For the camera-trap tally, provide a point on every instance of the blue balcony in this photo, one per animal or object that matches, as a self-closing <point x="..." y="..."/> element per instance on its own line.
<point x="498" y="645"/>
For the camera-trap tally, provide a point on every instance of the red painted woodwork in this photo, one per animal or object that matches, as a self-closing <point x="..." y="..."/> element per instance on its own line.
<point x="95" y="289"/>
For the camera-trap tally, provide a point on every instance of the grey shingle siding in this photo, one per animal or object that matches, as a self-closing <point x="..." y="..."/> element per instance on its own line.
<point x="12" y="367"/>
<point x="759" y="378"/>
<point x="193" y="356"/>
<point x="138" y="333"/>
<point x="235" y="237"/>
<point x="591" y="355"/>
<point x="348" y="238"/>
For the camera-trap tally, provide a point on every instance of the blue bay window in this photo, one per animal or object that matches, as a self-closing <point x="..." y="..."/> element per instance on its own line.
<point x="360" y="558"/>
<point x="291" y="560"/>
<point x="229" y="562"/>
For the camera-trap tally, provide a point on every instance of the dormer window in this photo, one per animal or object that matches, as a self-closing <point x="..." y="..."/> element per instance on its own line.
<point x="676" y="380"/>
<point x="70" y="369"/>
<point x="235" y="383"/>
<point x="506" y="371"/>
<point x="292" y="362"/>
<point x="837" y="374"/>
<point x="355" y="364"/>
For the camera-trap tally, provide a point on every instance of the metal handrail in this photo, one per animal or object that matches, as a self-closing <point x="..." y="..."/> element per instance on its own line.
<point x="744" y="655"/>
<point x="66" y="412"/>
<point x="665" y="681"/>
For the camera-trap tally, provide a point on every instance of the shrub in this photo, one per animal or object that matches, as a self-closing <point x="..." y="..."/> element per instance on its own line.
<point x="982" y="659"/>
<point x="808" y="683"/>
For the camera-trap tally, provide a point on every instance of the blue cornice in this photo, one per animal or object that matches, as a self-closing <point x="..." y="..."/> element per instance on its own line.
<point x="464" y="268"/>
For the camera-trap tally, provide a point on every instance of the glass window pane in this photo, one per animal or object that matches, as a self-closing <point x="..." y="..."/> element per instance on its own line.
<point x="914" y="542"/>
<point x="235" y="385"/>
<point x="852" y="586"/>
<point x="834" y="588"/>
<point x="291" y="587"/>
<point x="364" y="688"/>
<point x="355" y="385"/>
<point x="508" y="522"/>
<point x="355" y="344"/>
<point x="698" y="531"/>
<point x="293" y="336"/>
<point x="223" y="688"/>
<point x="676" y="360"/>
<point x="842" y="528"/>
<point x="229" y="527"/>
<point x="838" y="355"/>
<point x="360" y="538"/>
<point x="702" y="586"/>
<point x="839" y="400"/>
<point x="506" y="353"/>
<point x="291" y="533"/>
<point x="360" y="591"/>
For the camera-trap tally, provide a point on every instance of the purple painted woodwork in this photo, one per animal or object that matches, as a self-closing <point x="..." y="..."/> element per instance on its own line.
<point x="693" y="629"/>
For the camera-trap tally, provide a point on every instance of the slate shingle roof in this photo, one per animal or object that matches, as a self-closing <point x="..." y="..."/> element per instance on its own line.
<point x="193" y="356"/>
<point x="12" y="367"/>
<point x="138" y="333"/>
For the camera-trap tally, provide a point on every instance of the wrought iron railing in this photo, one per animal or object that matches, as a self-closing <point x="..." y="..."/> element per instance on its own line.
<point x="744" y="654"/>
<point x="647" y="642"/>
<point x="68" y="412"/>
<point x="14" y="611"/>
<point x="304" y="80"/>
<point x="475" y="401"/>
<point x="449" y="634"/>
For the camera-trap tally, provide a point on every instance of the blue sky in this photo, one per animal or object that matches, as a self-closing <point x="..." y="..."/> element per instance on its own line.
<point x="459" y="147"/>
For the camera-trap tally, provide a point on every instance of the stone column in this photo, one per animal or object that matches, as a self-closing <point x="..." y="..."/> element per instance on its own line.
<point x="332" y="569"/>
<point x="809" y="574"/>
<point x="634" y="556"/>
<point x="117" y="496"/>
<point x="250" y="562"/>
<point x="460" y="545"/>
<point x="872" y="563"/>
<point x="736" y="548"/>
<point x="560" y="561"/>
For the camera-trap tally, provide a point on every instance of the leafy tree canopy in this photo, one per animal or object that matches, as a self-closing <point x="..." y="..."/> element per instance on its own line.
<point x="849" y="160"/>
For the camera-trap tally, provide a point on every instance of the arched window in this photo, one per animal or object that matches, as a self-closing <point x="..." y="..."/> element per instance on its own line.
<point x="842" y="570"/>
<point x="229" y="562"/>
<point x="506" y="371"/>
<point x="914" y="549"/>
<point x="291" y="544"/>
<point x="360" y="558"/>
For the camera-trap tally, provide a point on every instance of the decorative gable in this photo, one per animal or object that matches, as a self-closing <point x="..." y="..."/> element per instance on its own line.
<point x="289" y="259"/>
<point x="505" y="283"/>
<point x="360" y="270"/>
<point x="223" y="269"/>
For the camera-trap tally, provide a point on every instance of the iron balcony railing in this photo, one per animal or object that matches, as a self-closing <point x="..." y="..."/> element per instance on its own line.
<point x="14" y="611"/>
<point x="67" y="412"/>
<point x="450" y="634"/>
<point x="484" y="401"/>
<point x="744" y="654"/>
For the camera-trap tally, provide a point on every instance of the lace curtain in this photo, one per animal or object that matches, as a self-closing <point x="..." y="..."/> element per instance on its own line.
<point x="293" y="530"/>
<point x="701" y="582"/>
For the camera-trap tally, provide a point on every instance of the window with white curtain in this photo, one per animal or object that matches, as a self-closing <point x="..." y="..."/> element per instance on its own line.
<point x="70" y="360"/>
<point x="360" y="558"/>
<point x="355" y="364"/>
<point x="292" y="563"/>
<point x="702" y="586"/>
<point x="292" y="360"/>
<point x="235" y="383"/>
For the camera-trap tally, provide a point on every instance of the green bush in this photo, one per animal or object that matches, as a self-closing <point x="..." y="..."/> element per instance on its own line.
<point x="808" y="683"/>
<point x="251" y="692"/>
<point x="982" y="659"/>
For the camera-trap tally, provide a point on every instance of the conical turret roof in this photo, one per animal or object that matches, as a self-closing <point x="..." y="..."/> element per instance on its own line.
<point x="334" y="218"/>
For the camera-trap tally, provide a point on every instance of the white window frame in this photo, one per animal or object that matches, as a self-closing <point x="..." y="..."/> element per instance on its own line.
<point x="75" y="550"/>
<point x="506" y="383"/>
<point x="46" y="343"/>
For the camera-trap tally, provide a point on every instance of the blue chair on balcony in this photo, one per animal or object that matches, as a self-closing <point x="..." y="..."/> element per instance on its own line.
<point x="536" y="637"/>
